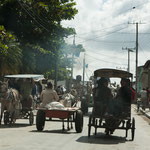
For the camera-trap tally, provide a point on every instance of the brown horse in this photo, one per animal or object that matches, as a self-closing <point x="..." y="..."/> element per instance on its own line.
<point x="9" y="99"/>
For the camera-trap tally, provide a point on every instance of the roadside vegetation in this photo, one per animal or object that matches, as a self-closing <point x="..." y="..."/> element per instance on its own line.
<point x="32" y="39"/>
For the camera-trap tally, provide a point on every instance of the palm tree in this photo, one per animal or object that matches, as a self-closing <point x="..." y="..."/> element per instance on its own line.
<point x="10" y="53"/>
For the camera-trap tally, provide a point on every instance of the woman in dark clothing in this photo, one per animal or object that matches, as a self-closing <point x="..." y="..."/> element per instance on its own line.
<point x="124" y="93"/>
<point x="103" y="96"/>
<point x="103" y="92"/>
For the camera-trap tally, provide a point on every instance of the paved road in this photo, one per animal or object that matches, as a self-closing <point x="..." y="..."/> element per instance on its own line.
<point x="24" y="137"/>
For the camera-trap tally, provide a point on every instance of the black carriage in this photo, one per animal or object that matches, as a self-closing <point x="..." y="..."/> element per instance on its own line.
<point x="24" y="109"/>
<point x="98" y="119"/>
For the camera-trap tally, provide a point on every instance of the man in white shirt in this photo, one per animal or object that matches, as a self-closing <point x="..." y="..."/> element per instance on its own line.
<point x="48" y="95"/>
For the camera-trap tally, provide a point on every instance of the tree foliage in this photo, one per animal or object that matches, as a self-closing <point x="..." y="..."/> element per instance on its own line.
<point x="36" y="25"/>
<point x="10" y="53"/>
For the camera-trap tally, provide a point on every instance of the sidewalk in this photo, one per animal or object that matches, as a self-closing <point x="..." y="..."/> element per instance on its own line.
<point x="146" y="112"/>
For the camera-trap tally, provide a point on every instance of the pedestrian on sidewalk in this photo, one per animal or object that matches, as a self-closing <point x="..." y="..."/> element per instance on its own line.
<point x="143" y="94"/>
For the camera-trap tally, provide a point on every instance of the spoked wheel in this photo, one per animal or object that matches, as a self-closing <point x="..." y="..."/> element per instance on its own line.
<point x="133" y="129"/>
<point x="40" y="120"/>
<point x="84" y="106"/>
<point x="79" y="121"/>
<point x="31" y="118"/>
<point x="89" y="126"/>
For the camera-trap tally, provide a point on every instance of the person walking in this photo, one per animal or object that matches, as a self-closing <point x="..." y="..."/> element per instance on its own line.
<point x="143" y="94"/>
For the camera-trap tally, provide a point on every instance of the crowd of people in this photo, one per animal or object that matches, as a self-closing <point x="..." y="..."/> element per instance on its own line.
<point x="33" y="92"/>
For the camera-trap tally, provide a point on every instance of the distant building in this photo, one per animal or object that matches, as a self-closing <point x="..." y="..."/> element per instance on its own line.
<point x="143" y="76"/>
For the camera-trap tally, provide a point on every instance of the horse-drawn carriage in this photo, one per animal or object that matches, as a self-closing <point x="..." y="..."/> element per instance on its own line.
<point x="100" y="118"/>
<point x="17" y="100"/>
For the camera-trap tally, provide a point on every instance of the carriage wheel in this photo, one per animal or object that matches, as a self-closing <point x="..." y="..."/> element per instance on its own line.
<point x="79" y="121"/>
<point x="133" y="128"/>
<point x="31" y="118"/>
<point x="89" y="126"/>
<point x="84" y="106"/>
<point x="6" y="118"/>
<point x="40" y="120"/>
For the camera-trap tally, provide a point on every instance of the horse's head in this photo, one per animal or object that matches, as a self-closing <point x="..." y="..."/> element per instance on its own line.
<point x="3" y="87"/>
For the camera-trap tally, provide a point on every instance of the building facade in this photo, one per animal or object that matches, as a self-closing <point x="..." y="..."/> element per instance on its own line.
<point x="143" y="76"/>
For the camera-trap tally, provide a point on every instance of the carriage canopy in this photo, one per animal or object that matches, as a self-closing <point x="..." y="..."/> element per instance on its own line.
<point x="35" y="77"/>
<point x="113" y="73"/>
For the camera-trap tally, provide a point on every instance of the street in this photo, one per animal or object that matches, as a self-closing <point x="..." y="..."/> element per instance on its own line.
<point x="21" y="136"/>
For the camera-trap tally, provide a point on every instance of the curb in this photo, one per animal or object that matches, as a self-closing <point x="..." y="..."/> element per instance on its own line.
<point x="143" y="112"/>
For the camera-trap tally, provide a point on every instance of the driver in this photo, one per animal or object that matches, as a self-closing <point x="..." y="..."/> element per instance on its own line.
<point x="48" y="95"/>
<point x="103" y="96"/>
<point x="124" y="93"/>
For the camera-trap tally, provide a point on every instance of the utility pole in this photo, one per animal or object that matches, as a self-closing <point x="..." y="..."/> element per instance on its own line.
<point x="129" y="50"/>
<point x="56" y="70"/>
<point x="136" y="59"/>
<point x="71" y="81"/>
<point x="136" y="63"/>
<point x="83" y="68"/>
<point x="83" y="73"/>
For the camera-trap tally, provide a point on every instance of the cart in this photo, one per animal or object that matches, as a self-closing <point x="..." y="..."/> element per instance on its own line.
<point x="23" y="109"/>
<point x="123" y="121"/>
<point x="68" y="115"/>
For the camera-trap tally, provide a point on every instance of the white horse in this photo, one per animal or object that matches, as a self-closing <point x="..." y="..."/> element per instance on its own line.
<point x="9" y="99"/>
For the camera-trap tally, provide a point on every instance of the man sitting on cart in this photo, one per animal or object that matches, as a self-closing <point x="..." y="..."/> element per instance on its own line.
<point x="123" y="98"/>
<point x="103" y="96"/>
<point x="48" y="95"/>
<point x="26" y="86"/>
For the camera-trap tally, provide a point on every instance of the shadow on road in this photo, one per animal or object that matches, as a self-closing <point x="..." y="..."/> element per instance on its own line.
<point x="102" y="139"/>
<point x="16" y="125"/>
<point x="59" y="131"/>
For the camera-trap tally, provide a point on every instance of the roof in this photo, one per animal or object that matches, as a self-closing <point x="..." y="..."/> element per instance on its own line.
<point x="35" y="77"/>
<point x="113" y="73"/>
<point x="147" y="64"/>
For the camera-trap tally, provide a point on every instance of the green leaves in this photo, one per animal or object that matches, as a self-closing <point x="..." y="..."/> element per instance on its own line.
<point x="10" y="53"/>
<point x="36" y="37"/>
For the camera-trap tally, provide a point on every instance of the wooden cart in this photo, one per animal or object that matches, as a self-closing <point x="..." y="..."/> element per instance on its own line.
<point x="68" y="115"/>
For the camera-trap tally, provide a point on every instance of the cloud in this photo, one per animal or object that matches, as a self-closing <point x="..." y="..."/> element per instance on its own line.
<point x="104" y="27"/>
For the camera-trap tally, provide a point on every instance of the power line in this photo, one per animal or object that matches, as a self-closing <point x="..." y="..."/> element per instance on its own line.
<point x="45" y="23"/>
<point x="104" y="35"/>
<point x="110" y="56"/>
<point x="33" y="17"/>
<point x="134" y="7"/>
<point x="106" y="61"/>
<point x="99" y="30"/>
<point x="143" y="51"/>
<point x="102" y="41"/>
<point x="131" y="33"/>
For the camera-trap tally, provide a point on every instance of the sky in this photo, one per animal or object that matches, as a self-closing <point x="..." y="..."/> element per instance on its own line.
<point x="106" y="29"/>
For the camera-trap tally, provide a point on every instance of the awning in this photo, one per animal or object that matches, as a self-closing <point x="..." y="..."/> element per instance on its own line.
<point x="35" y="77"/>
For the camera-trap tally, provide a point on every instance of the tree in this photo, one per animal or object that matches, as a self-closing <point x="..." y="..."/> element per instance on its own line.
<point x="10" y="53"/>
<point x="37" y="26"/>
